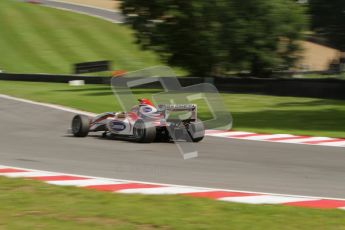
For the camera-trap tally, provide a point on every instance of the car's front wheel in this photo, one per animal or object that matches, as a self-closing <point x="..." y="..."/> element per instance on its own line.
<point x="80" y="125"/>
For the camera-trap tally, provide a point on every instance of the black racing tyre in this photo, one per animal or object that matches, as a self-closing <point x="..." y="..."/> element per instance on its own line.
<point x="196" y="131"/>
<point x="80" y="125"/>
<point x="144" y="133"/>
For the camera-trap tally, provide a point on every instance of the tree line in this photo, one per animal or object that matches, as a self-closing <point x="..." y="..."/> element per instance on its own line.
<point x="328" y="21"/>
<point x="224" y="36"/>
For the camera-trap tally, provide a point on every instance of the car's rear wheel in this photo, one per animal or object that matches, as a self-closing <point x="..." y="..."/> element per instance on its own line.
<point x="80" y="125"/>
<point x="143" y="132"/>
<point x="196" y="131"/>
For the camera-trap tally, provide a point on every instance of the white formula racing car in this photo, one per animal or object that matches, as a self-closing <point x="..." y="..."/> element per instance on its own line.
<point x="144" y="123"/>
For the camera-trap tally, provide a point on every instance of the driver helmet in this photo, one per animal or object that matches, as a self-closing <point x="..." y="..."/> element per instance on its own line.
<point x="146" y="106"/>
<point x="144" y="101"/>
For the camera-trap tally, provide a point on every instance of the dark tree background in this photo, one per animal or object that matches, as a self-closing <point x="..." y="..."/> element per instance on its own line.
<point x="328" y="20"/>
<point x="215" y="37"/>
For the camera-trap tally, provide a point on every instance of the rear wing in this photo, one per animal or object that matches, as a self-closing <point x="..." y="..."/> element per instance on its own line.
<point x="168" y="108"/>
<point x="177" y="107"/>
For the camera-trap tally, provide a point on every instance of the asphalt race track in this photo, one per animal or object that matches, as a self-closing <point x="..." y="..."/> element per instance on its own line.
<point x="103" y="13"/>
<point x="35" y="137"/>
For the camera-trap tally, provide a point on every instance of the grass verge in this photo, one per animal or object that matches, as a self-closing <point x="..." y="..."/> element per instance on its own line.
<point x="29" y="204"/>
<point x="38" y="39"/>
<point x="257" y="113"/>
